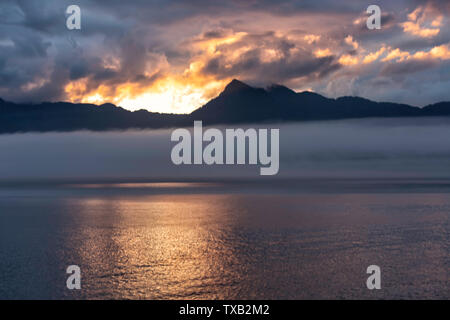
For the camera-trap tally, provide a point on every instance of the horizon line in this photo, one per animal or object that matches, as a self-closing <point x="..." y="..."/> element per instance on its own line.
<point x="266" y="88"/>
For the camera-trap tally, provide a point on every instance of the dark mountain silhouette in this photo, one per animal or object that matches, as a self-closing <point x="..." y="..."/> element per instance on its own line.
<point x="62" y="116"/>
<point x="242" y="103"/>
<point x="238" y="103"/>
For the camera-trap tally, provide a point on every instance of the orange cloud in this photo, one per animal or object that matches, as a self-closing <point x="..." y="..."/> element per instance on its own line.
<point x="311" y="38"/>
<point x="437" y="22"/>
<point x="396" y="54"/>
<point x="415" y="29"/>
<point x="371" y="57"/>
<point x="441" y="52"/>
<point x="349" y="40"/>
<point x="415" y="14"/>
<point x="417" y="21"/>
<point x="320" y="53"/>
<point x="271" y="55"/>
<point x="348" y="60"/>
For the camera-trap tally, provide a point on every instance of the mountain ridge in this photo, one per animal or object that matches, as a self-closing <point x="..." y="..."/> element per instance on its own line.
<point x="237" y="103"/>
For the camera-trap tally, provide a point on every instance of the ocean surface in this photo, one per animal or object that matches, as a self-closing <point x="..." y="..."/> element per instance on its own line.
<point x="286" y="239"/>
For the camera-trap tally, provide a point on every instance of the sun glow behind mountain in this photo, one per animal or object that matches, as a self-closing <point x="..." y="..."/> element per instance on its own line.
<point x="177" y="99"/>
<point x="167" y="95"/>
<point x="169" y="90"/>
<point x="171" y="96"/>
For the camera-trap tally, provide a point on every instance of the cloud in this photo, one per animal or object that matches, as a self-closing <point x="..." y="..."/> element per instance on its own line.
<point x="348" y="60"/>
<point x="268" y="57"/>
<point x="371" y="57"/>
<point x="405" y="67"/>
<point x="311" y="38"/>
<point x="396" y="54"/>
<point x="351" y="42"/>
<point x="419" y="18"/>
<point x="441" y="52"/>
<point x="407" y="63"/>
<point x="442" y="6"/>
<point x="415" y="29"/>
<point x="320" y="53"/>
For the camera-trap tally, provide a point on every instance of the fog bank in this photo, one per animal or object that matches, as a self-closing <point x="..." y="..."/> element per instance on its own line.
<point x="350" y="148"/>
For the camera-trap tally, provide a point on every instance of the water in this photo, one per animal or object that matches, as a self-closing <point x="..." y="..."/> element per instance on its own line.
<point x="298" y="239"/>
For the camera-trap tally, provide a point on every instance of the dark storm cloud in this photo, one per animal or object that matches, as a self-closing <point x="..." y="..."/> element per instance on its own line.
<point x="289" y="61"/>
<point x="282" y="70"/>
<point x="42" y="16"/>
<point x="213" y="34"/>
<point x="42" y="50"/>
<point x="407" y="67"/>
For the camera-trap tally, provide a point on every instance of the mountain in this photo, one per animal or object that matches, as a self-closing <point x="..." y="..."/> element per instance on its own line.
<point x="63" y="116"/>
<point x="438" y="109"/>
<point x="238" y="103"/>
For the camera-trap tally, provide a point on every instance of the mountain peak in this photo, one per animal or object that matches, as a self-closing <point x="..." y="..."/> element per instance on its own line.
<point x="235" y="86"/>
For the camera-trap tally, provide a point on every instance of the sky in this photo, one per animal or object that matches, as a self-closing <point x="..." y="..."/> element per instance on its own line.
<point x="174" y="56"/>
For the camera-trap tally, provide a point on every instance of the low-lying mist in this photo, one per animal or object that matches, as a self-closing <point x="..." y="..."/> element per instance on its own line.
<point x="382" y="148"/>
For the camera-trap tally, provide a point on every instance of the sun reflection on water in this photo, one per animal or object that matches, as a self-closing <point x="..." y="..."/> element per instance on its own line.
<point x="160" y="246"/>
